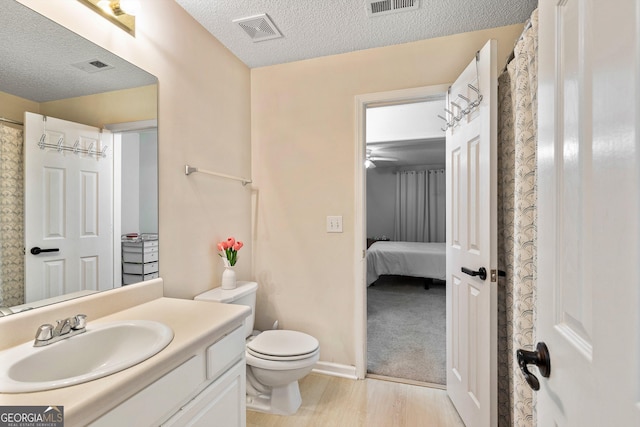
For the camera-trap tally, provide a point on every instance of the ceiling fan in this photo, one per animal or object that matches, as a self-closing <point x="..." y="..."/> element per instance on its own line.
<point x="370" y="159"/>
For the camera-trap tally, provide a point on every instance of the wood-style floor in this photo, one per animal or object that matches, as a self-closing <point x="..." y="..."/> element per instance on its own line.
<point x="339" y="402"/>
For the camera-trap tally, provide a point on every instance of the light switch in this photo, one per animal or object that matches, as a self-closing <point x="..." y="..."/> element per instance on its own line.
<point x="334" y="224"/>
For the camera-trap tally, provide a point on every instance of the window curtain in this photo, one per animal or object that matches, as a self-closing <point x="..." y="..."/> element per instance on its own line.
<point x="420" y="206"/>
<point x="11" y="217"/>
<point x="517" y="129"/>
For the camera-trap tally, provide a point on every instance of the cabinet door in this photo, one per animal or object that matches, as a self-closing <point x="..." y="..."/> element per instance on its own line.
<point x="158" y="400"/>
<point x="222" y="404"/>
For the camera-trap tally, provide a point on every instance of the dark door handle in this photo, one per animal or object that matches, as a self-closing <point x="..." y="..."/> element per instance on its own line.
<point x="481" y="273"/>
<point x="540" y="358"/>
<point x="36" y="250"/>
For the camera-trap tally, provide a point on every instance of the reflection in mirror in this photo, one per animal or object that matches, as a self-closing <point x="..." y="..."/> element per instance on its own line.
<point x="64" y="82"/>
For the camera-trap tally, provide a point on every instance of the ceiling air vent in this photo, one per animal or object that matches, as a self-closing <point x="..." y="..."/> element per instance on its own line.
<point x="259" y="27"/>
<point x="385" y="7"/>
<point x="92" y="66"/>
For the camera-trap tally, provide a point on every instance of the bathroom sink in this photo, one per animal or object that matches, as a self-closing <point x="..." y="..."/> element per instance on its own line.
<point x="100" y="351"/>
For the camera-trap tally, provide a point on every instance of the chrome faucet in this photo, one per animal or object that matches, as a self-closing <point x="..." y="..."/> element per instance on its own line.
<point x="65" y="328"/>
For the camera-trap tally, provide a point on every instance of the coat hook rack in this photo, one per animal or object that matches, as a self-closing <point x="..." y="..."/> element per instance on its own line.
<point x="188" y="170"/>
<point x="60" y="147"/>
<point x="451" y="118"/>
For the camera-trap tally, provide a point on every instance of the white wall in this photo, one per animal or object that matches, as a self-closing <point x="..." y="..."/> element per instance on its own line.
<point x="130" y="179"/>
<point x="149" y="181"/>
<point x="139" y="208"/>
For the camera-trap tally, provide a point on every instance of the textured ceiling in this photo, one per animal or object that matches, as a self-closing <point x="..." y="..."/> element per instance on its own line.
<point x="36" y="57"/>
<point x="314" y="28"/>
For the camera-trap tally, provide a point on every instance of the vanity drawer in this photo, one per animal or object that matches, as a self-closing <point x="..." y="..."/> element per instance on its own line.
<point x="224" y="353"/>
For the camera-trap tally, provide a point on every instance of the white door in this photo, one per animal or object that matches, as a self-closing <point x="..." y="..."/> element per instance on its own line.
<point x="68" y="209"/>
<point x="472" y="242"/>
<point x="588" y="213"/>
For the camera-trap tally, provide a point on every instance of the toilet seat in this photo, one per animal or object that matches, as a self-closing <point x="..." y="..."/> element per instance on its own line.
<point x="282" y="345"/>
<point x="282" y="365"/>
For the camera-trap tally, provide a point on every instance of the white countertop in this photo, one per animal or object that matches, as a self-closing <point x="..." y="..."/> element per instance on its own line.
<point x="194" y="323"/>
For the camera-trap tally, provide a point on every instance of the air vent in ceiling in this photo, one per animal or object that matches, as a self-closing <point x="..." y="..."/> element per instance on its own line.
<point x="259" y="27"/>
<point x="93" y="66"/>
<point x="385" y="7"/>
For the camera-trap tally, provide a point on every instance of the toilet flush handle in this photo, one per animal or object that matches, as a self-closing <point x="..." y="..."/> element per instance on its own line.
<point x="275" y="325"/>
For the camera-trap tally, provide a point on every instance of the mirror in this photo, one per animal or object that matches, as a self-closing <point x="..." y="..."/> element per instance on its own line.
<point x="49" y="70"/>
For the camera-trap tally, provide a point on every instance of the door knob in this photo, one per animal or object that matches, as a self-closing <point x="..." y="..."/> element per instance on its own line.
<point x="540" y="358"/>
<point x="481" y="273"/>
<point x="36" y="250"/>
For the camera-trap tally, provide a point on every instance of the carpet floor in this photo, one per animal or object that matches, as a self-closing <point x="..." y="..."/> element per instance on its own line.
<point x="406" y="336"/>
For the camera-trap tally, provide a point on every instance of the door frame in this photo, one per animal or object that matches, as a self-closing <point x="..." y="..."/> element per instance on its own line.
<point x="362" y="102"/>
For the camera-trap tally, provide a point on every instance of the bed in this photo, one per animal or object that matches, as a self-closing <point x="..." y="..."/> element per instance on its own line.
<point x="414" y="259"/>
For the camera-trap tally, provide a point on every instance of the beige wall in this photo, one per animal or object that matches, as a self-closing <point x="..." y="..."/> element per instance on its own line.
<point x="297" y="121"/>
<point x="127" y="105"/>
<point x="204" y="120"/>
<point x="13" y="107"/>
<point x="118" y="106"/>
<point x="303" y="147"/>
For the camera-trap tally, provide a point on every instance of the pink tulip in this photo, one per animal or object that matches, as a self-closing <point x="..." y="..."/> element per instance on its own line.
<point x="221" y="246"/>
<point x="230" y="242"/>
<point x="238" y="245"/>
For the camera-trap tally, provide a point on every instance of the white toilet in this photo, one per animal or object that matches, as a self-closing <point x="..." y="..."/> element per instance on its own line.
<point x="276" y="359"/>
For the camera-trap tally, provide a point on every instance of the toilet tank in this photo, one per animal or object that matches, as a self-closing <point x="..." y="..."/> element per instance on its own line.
<point x="243" y="294"/>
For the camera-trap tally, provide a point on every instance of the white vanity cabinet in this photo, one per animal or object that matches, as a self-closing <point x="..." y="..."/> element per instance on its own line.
<point x="220" y="404"/>
<point x="206" y="390"/>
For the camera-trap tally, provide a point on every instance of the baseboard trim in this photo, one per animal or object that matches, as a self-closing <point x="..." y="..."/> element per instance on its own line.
<point x="335" y="370"/>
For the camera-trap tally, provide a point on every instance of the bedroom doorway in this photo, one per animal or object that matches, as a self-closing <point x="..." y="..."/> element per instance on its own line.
<point x="402" y="293"/>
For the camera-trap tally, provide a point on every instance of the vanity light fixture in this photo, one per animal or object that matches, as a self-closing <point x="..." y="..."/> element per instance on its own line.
<point x="120" y="12"/>
<point x="120" y="7"/>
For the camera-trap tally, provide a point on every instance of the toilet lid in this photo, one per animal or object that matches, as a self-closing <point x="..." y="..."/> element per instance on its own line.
<point x="282" y="344"/>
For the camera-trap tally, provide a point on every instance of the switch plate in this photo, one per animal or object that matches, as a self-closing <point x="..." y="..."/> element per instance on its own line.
<point x="334" y="224"/>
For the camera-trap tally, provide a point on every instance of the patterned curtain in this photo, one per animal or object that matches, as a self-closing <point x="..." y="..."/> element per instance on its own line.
<point x="517" y="128"/>
<point x="11" y="217"/>
<point x="420" y="206"/>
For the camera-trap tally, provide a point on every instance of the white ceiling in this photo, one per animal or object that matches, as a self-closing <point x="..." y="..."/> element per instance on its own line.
<point x="314" y="28"/>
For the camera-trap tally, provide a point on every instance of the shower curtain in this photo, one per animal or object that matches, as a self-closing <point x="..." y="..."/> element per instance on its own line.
<point x="11" y="217"/>
<point x="517" y="138"/>
<point x="420" y="206"/>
